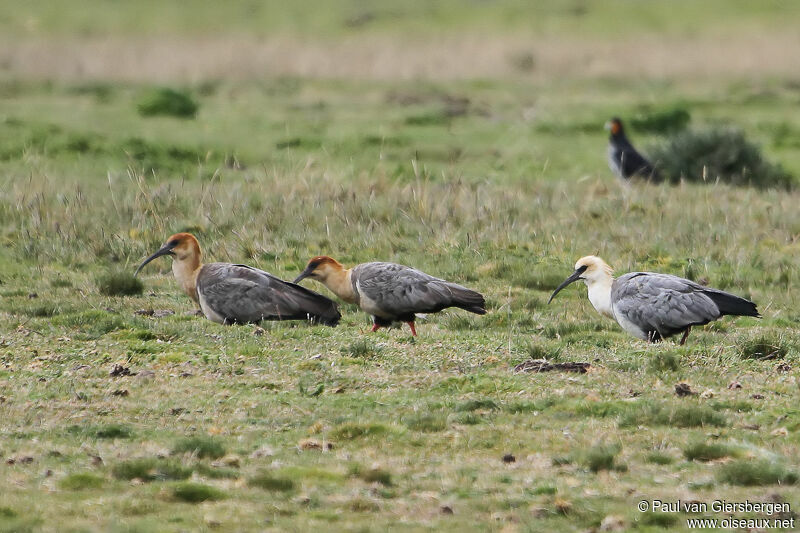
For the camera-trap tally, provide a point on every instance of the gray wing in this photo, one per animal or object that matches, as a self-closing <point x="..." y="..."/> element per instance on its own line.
<point x="661" y="303"/>
<point x="401" y="291"/>
<point x="241" y="294"/>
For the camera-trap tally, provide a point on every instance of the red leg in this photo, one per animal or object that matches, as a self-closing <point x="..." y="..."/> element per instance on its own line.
<point x="413" y="330"/>
<point x="375" y="327"/>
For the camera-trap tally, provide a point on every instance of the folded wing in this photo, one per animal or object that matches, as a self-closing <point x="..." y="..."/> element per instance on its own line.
<point x="400" y="290"/>
<point x="666" y="304"/>
<point x="242" y="294"/>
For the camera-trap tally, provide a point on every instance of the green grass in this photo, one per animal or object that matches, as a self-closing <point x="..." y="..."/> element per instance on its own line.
<point x="708" y="451"/>
<point x="498" y="182"/>
<point x="199" y="446"/>
<point x="167" y="102"/>
<point x="371" y="475"/>
<point x="663" y="414"/>
<point x="150" y="469"/>
<point x="599" y="457"/>
<point x="266" y="481"/>
<point x="197" y="493"/>
<point x="343" y="17"/>
<point x="756" y="473"/>
<point x="81" y="481"/>
<point x="119" y="284"/>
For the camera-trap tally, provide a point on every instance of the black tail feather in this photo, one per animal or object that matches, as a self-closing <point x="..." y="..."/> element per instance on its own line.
<point x="329" y="316"/>
<point x="320" y="309"/>
<point x="729" y="304"/>
<point x="468" y="300"/>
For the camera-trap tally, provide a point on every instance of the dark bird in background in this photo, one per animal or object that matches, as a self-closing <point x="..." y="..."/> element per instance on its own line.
<point x="623" y="159"/>
<point x="238" y="294"/>
<point x="391" y="292"/>
<point x="652" y="306"/>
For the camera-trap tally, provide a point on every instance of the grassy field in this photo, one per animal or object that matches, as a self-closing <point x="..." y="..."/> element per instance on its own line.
<point x="129" y="413"/>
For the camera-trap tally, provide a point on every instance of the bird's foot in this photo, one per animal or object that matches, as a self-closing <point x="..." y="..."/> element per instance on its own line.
<point x="413" y="330"/>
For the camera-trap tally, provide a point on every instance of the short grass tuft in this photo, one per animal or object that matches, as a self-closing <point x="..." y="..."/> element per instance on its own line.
<point x="466" y="418"/>
<point x="150" y="469"/>
<point x="659" y="520"/>
<point x="426" y="422"/>
<point x="371" y="475"/>
<point x="600" y="457"/>
<point x="268" y="481"/>
<point x="200" y="446"/>
<point x="650" y="413"/>
<point x="119" y="283"/>
<point x="751" y="473"/>
<point x="664" y="362"/>
<point x="362" y="349"/>
<point x="707" y="451"/>
<point x="659" y="458"/>
<point x="197" y="493"/>
<point x="763" y="347"/>
<point x="544" y="350"/>
<point x="477" y="404"/>
<point x="212" y="472"/>
<point x="111" y="431"/>
<point x="354" y="430"/>
<point x="81" y="481"/>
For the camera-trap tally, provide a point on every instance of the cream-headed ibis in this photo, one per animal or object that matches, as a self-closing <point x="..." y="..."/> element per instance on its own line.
<point x="653" y="306"/>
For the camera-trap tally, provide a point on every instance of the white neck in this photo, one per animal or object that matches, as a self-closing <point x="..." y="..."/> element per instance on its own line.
<point x="600" y="295"/>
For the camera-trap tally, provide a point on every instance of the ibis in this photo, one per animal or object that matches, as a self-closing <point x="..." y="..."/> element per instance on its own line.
<point x="391" y="292"/>
<point x="623" y="159"/>
<point x="230" y="294"/>
<point x="654" y="306"/>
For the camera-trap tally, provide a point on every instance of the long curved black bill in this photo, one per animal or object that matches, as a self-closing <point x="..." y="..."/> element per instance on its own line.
<point x="303" y="275"/>
<point x="573" y="278"/>
<point x="165" y="250"/>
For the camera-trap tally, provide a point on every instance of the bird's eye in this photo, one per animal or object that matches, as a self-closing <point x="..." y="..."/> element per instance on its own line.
<point x="173" y="242"/>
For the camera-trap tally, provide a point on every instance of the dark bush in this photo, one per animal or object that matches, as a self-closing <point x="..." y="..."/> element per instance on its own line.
<point x="167" y="102"/>
<point x="717" y="153"/>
